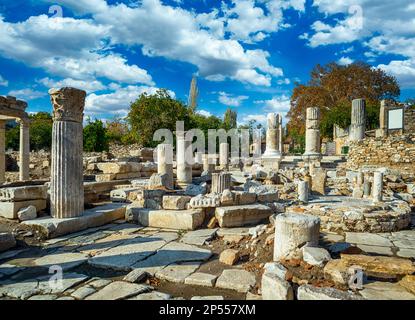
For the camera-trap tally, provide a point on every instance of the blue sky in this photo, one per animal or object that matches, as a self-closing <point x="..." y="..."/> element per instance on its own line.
<point x="247" y="53"/>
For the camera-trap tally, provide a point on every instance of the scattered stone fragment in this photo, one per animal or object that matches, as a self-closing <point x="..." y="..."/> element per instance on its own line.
<point x="234" y="279"/>
<point x="83" y="292"/>
<point x="315" y="256"/>
<point x="275" y="288"/>
<point x="368" y="239"/>
<point x="207" y="298"/>
<point x="135" y="276"/>
<point x="199" y="237"/>
<point x="99" y="283"/>
<point x="28" y="213"/>
<point x="307" y="292"/>
<point x="201" y="279"/>
<point x="251" y="296"/>
<point x="154" y="295"/>
<point x="175" y="202"/>
<point x="337" y="271"/>
<point x="43" y="297"/>
<point x="229" y="256"/>
<point x="276" y="268"/>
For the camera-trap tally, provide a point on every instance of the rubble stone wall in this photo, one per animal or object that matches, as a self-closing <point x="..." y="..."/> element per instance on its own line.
<point x="397" y="151"/>
<point x="409" y="120"/>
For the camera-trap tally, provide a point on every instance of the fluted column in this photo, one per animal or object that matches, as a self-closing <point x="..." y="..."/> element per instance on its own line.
<point x="24" y="150"/>
<point x="165" y="162"/>
<point x="67" y="188"/>
<point x="224" y="156"/>
<point x="183" y="158"/>
<point x="312" y="134"/>
<point x="2" y="151"/>
<point x="377" y="188"/>
<point x="358" y="121"/>
<point x="220" y="182"/>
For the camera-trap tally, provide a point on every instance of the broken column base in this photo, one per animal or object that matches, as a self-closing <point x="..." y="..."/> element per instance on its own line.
<point x="238" y="216"/>
<point x="52" y="227"/>
<point x="169" y="219"/>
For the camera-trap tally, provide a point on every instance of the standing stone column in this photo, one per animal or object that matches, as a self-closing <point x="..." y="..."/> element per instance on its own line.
<point x="358" y="125"/>
<point x="377" y="187"/>
<point x="208" y="163"/>
<point x="67" y="188"/>
<point x="272" y="136"/>
<point x="199" y="157"/>
<point x="303" y="191"/>
<point x="280" y="147"/>
<point x="165" y="162"/>
<point x="312" y="134"/>
<point x="224" y="156"/>
<point x="24" y="150"/>
<point x="220" y="182"/>
<point x="383" y="118"/>
<point x="183" y="159"/>
<point x="2" y="151"/>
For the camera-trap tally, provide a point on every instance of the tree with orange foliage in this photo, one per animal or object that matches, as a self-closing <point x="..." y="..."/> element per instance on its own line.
<point x="334" y="86"/>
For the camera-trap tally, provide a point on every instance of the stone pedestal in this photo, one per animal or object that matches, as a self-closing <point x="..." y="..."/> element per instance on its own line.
<point x="67" y="189"/>
<point x="24" y="150"/>
<point x="377" y="187"/>
<point x="358" y="125"/>
<point x="165" y="162"/>
<point x="183" y="159"/>
<point x="303" y="191"/>
<point x="294" y="230"/>
<point x="224" y="156"/>
<point x="220" y="182"/>
<point x="2" y="151"/>
<point x="312" y="134"/>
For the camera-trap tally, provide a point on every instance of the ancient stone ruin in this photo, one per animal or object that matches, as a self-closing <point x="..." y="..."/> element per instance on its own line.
<point x="282" y="226"/>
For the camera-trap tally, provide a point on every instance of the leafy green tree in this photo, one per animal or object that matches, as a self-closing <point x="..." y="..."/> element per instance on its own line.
<point x="229" y="119"/>
<point x="41" y="131"/>
<point x="95" y="136"/>
<point x="12" y="136"/>
<point x="156" y="111"/>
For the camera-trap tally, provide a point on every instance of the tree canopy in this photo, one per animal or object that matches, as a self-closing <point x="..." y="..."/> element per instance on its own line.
<point x="95" y="136"/>
<point x="333" y="87"/>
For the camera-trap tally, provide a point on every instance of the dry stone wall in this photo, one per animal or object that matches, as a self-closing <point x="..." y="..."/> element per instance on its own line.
<point x="393" y="151"/>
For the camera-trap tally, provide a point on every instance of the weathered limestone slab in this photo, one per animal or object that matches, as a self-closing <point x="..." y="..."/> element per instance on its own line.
<point x="115" y="167"/>
<point x="234" y="279"/>
<point x="201" y="279"/>
<point x="118" y="290"/>
<point x="83" y="292"/>
<point x="385" y="291"/>
<point x="43" y="297"/>
<point x="307" y="292"/>
<point x="369" y="239"/>
<point x="9" y="210"/>
<point x="28" y="213"/>
<point x="135" y="276"/>
<point x="207" y="298"/>
<point x="91" y="218"/>
<point x="238" y="216"/>
<point x="178" y="272"/>
<point x="23" y="193"/>
<point x="379" y="266"/>
<point x="408" y="282"/>
<point x="173" y="252"/>
<point x="125" y="254"/>
<point x="172" y="219"/>
<point x="243" y="197"/>
<point x="7" y="241"/>
<point x="153" y="295"/>
<point x="66" y="260"/>
<point x="198" y="237"/>
<point x="175" y="202"/>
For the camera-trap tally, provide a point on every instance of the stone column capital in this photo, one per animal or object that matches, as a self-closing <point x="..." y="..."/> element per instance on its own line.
<point x="68" y="104"/>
